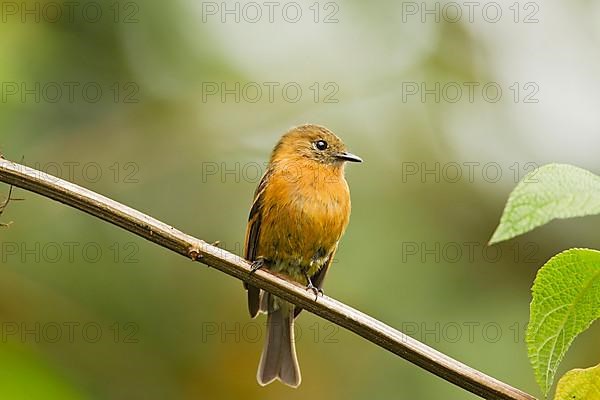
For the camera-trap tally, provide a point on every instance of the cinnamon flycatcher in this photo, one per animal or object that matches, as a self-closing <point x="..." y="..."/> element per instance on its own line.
<point x="301" y="209"/>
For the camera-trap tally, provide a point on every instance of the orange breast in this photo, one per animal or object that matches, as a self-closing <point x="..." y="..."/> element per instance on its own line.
<point x="305" y="212"/>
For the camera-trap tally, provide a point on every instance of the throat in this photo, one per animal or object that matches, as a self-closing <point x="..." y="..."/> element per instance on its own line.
<point x="319" y="175"/>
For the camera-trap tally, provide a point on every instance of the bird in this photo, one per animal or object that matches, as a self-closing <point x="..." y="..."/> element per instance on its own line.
<point x="300" y="211"/>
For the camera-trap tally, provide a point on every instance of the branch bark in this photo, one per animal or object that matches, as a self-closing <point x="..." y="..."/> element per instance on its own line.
<point x="326" y="307"/>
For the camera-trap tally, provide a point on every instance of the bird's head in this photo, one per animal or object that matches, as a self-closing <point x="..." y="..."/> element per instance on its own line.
<point x="315" y="143"/>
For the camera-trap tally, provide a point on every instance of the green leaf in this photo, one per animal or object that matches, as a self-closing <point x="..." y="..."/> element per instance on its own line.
<point x="566" y="300"/>
<point x="549" y="192"/>
<point x="579" y="384"/>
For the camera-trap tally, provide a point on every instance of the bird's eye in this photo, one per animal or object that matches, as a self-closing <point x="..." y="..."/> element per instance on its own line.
<point x="321" y="145"/>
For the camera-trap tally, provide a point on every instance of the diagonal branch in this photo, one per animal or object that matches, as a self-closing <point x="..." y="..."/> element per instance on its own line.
<point x="326" y="307"/>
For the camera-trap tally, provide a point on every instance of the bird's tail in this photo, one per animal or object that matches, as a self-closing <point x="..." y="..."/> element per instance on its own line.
<point x="278" y="360"/>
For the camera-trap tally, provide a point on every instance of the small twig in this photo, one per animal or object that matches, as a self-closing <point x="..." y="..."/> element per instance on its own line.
<point x="5" y="204"/>
<point x="326" y="307"/>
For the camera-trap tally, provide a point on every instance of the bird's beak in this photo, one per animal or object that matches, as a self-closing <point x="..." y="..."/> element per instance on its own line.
<point x="348" y="157"/>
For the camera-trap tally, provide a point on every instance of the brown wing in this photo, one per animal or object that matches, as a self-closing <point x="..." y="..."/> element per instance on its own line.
<point x="318" y="278"/>
<point x="251" y="245"/>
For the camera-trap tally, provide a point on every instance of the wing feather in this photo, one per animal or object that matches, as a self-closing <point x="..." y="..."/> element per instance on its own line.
<point x="251" y="242"/>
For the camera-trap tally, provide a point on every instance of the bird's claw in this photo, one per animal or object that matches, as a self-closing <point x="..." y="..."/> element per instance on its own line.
<point x="317" y="291"/>
<point x="257" y="264"/>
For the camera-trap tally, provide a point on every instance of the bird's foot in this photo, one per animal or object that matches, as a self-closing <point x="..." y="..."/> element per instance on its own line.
<point x="257" y="264"/>
<point x="316" y="290"/>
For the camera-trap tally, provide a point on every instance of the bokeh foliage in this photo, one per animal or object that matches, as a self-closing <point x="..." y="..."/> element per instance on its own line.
<point x="193" y="338"/>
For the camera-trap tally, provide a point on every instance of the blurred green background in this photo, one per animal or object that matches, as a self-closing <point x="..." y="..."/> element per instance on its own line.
<point x="138" y="101"/>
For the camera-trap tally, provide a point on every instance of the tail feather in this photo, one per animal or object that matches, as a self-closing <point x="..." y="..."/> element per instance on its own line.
<point x="264" y="303"/>
<point x="253" y="300"/>
<point x="278" y="360"/>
